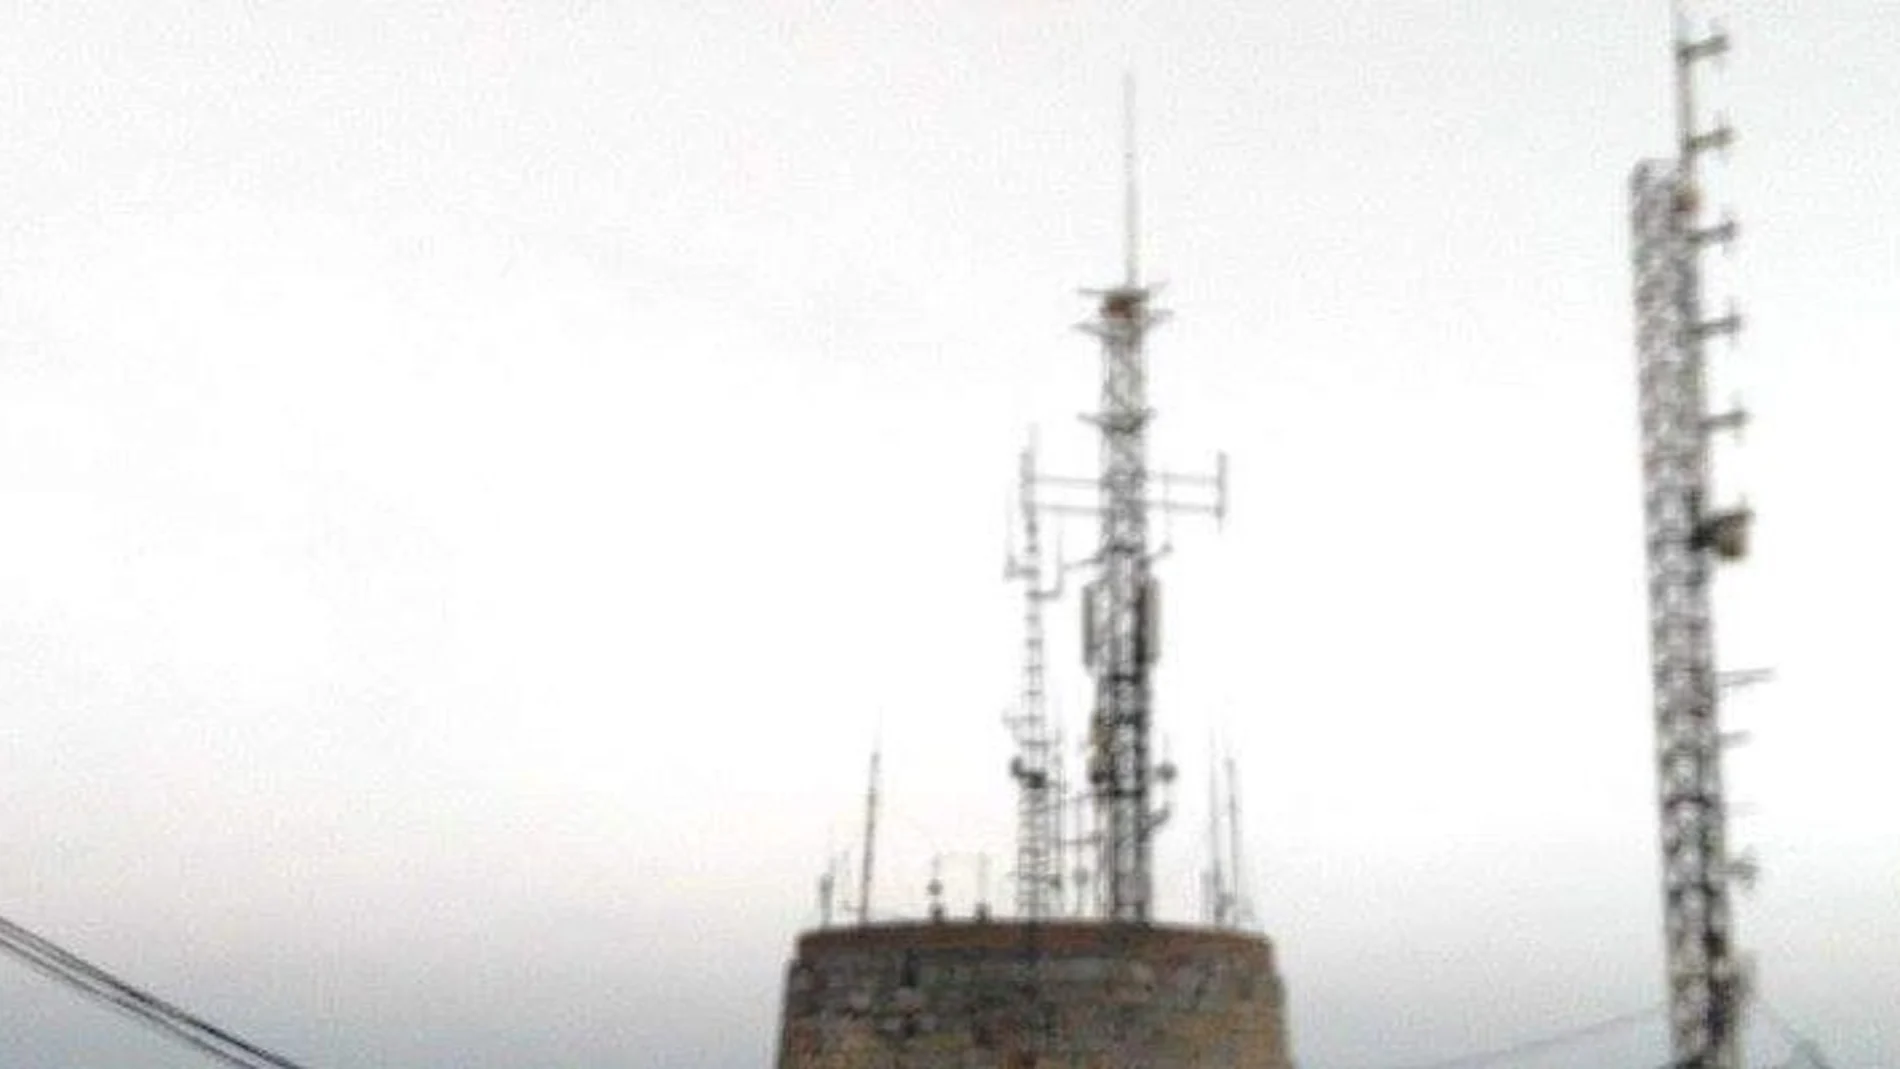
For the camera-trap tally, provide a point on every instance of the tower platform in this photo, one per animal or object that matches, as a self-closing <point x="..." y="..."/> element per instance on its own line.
<point x="1055" y="995"/>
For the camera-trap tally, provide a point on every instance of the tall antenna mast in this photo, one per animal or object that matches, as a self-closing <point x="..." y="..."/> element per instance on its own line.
<point x="1687" y="535"/>
<point x="1121" y="604"/>
<point x="1121" y="601"/>
<point x="870" y="838"/>
<point x="1036" y="768"/>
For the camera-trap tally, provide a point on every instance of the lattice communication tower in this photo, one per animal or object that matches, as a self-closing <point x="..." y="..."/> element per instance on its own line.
<point x="1121" y="604"/>
<point x="1037" y="766"/>
<point x="1687" y="535"/>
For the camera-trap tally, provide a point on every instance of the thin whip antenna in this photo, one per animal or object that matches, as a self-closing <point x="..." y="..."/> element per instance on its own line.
<point x="1242" y="908"/>
<point x="870" y="836"/>
<point x="1131" y="193"/>
<point x="1217" y="900"/>
<point x="1680" y="32"/>
<point x="828" y="883"/>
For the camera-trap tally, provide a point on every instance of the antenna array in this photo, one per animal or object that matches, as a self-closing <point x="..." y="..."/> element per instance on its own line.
<point x="1121" y="604"/>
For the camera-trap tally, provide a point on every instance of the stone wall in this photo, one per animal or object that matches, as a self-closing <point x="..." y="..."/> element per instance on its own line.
<point x="976" y="995"/>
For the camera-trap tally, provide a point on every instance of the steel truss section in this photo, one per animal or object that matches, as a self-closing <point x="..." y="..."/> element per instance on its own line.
<point x="1685" y="538"/>
<point x="1037" y="766"/>
<point x="1120" y="612"/>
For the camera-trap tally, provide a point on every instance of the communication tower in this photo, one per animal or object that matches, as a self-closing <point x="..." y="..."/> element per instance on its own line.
<point x="1121" y="603"/>
<point x="1037" y="766"/>
<point x="1687" y="535"/>
<point x="1101" y="986"/>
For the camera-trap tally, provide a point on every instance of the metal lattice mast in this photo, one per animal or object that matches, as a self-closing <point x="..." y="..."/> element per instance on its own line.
<point x="1121" y="600"/>
<point x="1036" y="766"/>
<point x="1120" y="604"/>
<point x="1120" y="610"/>
<point x="1687" y="535"/>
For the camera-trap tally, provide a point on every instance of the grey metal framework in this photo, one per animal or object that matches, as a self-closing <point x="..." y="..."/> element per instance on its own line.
<point x="1120" y="605"/>
<point x="1037" y="765"/>
<point x="1687" y="535"/>
<point x="1121" y="608"/>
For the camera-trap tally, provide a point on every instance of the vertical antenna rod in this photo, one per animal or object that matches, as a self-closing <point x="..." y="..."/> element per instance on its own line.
<point x="1242" y="908"/>
<point x="870" y="839"/>
<point x="1218" y="900"/>
<point x="1687" y="535"/>
<point x="827" y="884"/>
<point x="1131" y="197"/>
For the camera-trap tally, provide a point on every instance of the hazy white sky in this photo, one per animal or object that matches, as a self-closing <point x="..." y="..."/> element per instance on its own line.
<point x="478" y="473"/>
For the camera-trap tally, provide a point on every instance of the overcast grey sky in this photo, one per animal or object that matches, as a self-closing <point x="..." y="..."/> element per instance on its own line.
<point x="477" y="474"/>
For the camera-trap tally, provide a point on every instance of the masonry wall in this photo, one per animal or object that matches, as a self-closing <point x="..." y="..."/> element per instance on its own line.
<point x="976" y="995"/>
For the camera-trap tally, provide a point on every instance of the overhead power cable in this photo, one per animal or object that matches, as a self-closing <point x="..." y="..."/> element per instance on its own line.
<point x="1539" y="1044"/>
<point x="1802" y="1046"/>
<point x="188" y="1028"/>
